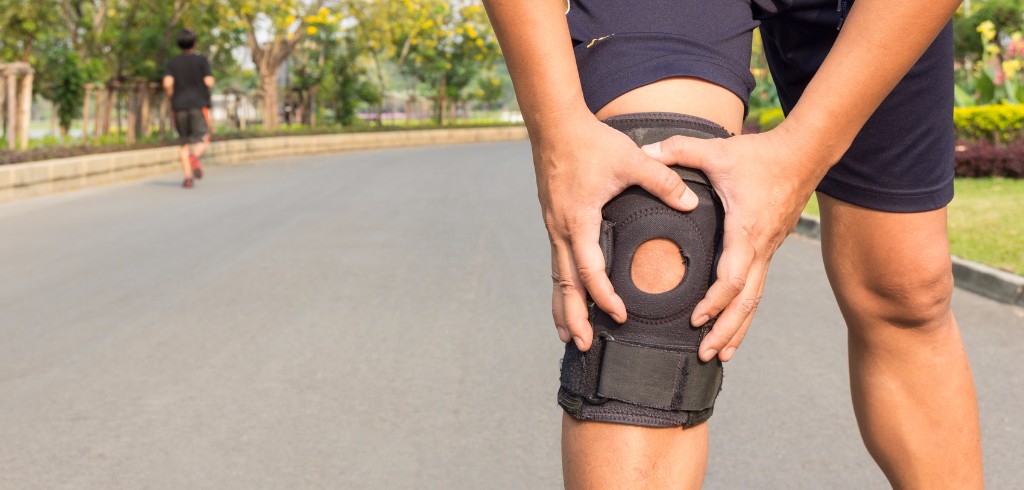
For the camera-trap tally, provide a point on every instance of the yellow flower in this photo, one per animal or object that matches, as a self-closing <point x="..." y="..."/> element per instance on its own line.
<point x="1016" y="37"/>
<point x="323" y="12"/>
<point x="1011" y="68"/>
<point x="470" y="31"/>
<point x="991" y="49"/>
<point x="311" y="30"/>
<point x="289" y="20"/>
<point x="987" y="30"/>
<point x="480" y="42"/>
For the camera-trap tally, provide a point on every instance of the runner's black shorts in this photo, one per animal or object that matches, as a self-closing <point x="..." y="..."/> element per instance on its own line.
<point x="902" y="160"/>
<point x="191" y="125"/>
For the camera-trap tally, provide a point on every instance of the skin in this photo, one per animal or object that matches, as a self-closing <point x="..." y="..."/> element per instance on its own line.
<point x="909" y="376"/>
<point x="196" y="149"/>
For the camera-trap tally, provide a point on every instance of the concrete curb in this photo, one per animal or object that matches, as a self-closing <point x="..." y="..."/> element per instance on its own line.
<point x="1002" y="286"/>
<point x="24" y="180"/>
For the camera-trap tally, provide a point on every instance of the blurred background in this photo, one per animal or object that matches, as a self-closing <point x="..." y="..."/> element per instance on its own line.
<point x="83" y="76"/>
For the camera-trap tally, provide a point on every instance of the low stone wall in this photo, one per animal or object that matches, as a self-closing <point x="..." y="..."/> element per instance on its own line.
<point x="24" y="180"/>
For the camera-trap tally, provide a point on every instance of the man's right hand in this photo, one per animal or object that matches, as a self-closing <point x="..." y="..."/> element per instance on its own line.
<point x="581" y="164"/>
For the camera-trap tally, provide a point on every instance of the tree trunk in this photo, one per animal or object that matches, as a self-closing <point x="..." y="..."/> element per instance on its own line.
<point x="85" y="110"/>
<point x="132" y="115"/>
<point x="382" y="82"/>
<point x="311" y="107"/>
<point x="268" y="85"/>
<point x="442" y="100"/>
<point x="3" y="101"/>
<point x="151" y="93"/>
<point x="11" y="121"/>
<point x="53" y="120"/>
<point x="108" y="108"/>
<point x="119" y="106"/>
<point x="101" y="101"/>
<point x="165" y="105"/>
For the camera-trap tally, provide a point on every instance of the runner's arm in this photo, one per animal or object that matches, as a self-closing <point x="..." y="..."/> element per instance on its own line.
<point x="169" y="85"/>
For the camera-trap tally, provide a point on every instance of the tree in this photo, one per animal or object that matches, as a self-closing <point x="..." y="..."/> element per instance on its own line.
<point x="68" y="89"/>
<point x="452" y="49"/>
<point x="286" y="23"/>
<point x="347" y="82"/>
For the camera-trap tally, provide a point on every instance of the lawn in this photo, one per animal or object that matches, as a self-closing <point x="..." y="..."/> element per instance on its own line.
<point x="986" y="221"/>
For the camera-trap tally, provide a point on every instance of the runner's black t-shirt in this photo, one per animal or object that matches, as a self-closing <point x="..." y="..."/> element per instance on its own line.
<point x="188" y="71"/>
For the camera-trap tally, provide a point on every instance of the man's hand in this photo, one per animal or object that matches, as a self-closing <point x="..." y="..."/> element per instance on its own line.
<point x="581" y="164"/>
<point x="764" y="181"/>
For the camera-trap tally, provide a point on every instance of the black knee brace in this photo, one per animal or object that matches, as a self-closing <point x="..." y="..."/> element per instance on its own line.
<point x="646" y="371"/>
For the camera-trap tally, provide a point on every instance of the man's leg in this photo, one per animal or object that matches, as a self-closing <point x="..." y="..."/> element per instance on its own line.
<point x="199" y="148"/>
<point x="205" y="125"/>
<point x="186" y="162"/>
<point x="912" y="389"/>
<point x="605" y="455"/>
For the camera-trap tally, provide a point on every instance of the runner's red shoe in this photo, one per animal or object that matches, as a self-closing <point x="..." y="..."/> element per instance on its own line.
<point x="197" y="169"/>
<point x="187" y="184"/>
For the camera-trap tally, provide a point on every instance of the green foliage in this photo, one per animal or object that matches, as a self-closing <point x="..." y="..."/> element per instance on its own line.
<point x="47" y="141"/>
<point x="349" y="87"/>
<point x="765" y="94"/>
<point x="996" y="123"/>
<point x="769" y="118"/>
<point x="1004" y="14"/>
<point x="69" y="89"/>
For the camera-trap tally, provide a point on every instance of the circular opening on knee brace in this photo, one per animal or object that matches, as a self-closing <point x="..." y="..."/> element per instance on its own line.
<point x="658" y="266"/>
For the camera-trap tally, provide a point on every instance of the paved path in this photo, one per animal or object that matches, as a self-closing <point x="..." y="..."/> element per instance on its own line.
<point x="377" y="320"/>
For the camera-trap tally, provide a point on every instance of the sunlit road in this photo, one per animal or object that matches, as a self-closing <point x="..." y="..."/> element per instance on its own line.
<point x="378" y="320"/>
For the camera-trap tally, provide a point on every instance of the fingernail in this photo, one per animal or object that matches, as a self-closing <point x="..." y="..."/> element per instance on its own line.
<point x="710" y="354"/>
<point x="652" y="149"/>
<point x="620" y="317"/>
<point x="728" y="352"/>
<point x="701" y="321"/>
<point x="690" y="199"/>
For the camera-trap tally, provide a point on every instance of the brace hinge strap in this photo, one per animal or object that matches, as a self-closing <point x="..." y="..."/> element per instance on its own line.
<point x="657" y="377"/>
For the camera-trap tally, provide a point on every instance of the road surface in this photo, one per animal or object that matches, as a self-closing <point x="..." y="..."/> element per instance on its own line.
<point x="378" y="320"/>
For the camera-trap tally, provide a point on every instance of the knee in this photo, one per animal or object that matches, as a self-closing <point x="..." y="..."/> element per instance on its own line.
<point x="917" y="299"/>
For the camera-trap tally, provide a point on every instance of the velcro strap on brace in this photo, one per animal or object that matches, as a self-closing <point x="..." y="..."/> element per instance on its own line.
<point x="646" y="371"/>
<point x="657" y="377"/>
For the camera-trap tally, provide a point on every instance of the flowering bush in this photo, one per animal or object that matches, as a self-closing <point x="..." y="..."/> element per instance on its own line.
<point x="999" y="124"/>
<point x="996" y="77"/>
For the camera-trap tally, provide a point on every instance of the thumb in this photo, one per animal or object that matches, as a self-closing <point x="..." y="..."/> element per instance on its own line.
<point x="681" y="150"/>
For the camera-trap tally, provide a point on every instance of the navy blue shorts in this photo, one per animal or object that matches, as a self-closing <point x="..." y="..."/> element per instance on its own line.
<point x="902" y="160"/>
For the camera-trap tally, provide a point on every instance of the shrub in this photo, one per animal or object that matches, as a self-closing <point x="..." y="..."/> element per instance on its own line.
<point x="999" y="124"/>
<point x="984" y="158"/>
<point x="769" y="118"/>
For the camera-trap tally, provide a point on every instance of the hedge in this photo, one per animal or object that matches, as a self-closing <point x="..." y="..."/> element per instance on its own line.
<point x="984" y="159"/>
<point x="999" y="124"/>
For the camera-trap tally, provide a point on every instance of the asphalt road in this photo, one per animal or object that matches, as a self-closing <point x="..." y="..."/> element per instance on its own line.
<point x="378" y="320"/>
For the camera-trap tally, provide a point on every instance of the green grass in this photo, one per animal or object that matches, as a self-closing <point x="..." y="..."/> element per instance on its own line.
<point x="985" y="221"/>
<point x="812" y="206"/>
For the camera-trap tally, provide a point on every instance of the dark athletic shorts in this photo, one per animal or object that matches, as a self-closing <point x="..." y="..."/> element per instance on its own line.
<point x="191" y="125"/>
<point x="902" y="160"/>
